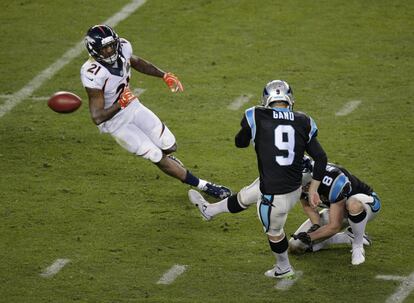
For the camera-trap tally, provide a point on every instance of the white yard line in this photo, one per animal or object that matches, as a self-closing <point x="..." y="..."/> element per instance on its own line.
<point x="239" y="102"/>
<point x="72" y="53"/>
<point x="348" y="108"/>
<point x="54" y="268"/>
<point x="172" y="274"/>
<point x="406" y="287"/>
<point x="390" y="278"/>
<point x="285" y="284"/>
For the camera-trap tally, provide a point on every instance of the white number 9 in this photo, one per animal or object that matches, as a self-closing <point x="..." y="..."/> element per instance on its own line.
<point x="288" y="145"/>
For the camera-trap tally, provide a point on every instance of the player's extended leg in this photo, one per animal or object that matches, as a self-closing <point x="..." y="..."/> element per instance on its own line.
<point x="361" y="208"/>
<point x="273" y="211"/>
<point x="148" y="137"/>
<point x="234" y="204"/>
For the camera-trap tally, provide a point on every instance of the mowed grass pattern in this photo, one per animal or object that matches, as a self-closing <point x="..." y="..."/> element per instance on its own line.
<point x="68" y="192"/>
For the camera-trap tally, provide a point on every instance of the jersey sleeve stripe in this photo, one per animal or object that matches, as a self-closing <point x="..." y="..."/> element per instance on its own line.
<point x="252" y="122"/>
<point x="337" y="187"/>
<point x="313" y="130"/>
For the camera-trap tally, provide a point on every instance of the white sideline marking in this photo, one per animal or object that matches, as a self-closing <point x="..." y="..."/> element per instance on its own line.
<point x="406" y="287"/>
<point x="54" y="268"/>
<point x="285" y="284"/>
<point x="40" y="98"/>
<point x="172" y="274"/>
<point x="239" y="101"/>
<point x="348" y="108"/>
<point x="72" y="53"/>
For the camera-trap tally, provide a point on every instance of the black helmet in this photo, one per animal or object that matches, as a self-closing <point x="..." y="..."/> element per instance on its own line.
<point x="100" y="36"/>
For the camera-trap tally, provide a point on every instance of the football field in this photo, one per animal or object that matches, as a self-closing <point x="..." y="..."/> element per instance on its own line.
<point x="82" y="220"/>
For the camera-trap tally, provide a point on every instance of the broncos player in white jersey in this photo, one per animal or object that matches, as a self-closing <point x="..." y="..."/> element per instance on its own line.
<point x="115" y="110"/>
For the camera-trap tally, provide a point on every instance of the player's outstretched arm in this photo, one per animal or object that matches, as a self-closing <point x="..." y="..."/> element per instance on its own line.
<point x="310" y="212"/>
<point x="336" y="215"/>
<point x="148" y="68"/>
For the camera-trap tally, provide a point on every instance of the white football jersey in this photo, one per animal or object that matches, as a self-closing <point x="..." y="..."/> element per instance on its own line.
<point x="111" y="79"/>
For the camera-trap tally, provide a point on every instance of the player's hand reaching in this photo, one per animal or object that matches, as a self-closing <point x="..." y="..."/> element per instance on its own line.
<point x="126" y="97"/>
<point x="313" y="195"/>
<point x="303" y="237"/>
<point x="173" y="83"/>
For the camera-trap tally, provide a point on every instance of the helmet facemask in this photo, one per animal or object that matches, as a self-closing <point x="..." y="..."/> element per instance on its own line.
<point x="112" y="58"/>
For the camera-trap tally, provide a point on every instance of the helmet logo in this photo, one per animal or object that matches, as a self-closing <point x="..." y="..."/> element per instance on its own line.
<point x="89" y="39"/>
<point x="107" y="40"/>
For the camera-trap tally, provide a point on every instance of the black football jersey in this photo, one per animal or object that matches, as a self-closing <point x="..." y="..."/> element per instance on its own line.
<point x="280" y="138"/>
<point x="338" y="184"/>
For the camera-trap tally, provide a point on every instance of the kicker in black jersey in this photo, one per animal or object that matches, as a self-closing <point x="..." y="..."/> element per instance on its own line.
<point x="280" y="137"/>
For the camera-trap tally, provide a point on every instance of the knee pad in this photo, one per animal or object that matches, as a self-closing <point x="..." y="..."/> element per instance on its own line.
<point x="153" y="154"/>
<point x="249" y="194"/>
<point x="163" y="137"/>
<point x="354" y="205"/>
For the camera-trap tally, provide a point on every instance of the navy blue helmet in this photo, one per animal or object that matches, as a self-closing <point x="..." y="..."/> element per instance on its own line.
<point x="99" y="37"/>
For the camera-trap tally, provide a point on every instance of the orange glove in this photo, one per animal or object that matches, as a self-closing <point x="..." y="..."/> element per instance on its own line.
<point x="173" y="83"/>
<point x="126" y="97"/>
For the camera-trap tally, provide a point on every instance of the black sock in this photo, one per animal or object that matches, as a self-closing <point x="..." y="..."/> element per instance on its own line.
<point x="191" y="179"/>
<point x="279" y="247"/>
<point x="358" y="218"/>
<point x="233" y="204"/>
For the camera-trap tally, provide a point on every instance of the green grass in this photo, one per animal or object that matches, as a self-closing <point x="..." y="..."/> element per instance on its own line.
<point x="68" y="192"/>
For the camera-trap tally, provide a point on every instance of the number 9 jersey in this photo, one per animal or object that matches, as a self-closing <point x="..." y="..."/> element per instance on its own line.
<point x="111" y="79"/>
<point x="280" y="137"/>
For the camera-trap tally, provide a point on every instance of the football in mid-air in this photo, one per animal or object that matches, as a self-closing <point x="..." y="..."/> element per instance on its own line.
<point x="64" y="102"/>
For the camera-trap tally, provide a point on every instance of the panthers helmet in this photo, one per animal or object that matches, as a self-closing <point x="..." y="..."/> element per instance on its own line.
<point x="277" y="90"/>
<point x="100" y="36"/>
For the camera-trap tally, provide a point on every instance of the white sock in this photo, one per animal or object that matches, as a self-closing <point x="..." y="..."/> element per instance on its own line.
<point x="358" y="229"/>
<point x="217" y="208"/>
<point x="282" y="260"/>
<point x="201" y="184"/>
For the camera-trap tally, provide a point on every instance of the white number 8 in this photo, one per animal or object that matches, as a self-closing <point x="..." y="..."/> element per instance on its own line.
<point x="288" y="145"/>
<point x="327" y="180"/>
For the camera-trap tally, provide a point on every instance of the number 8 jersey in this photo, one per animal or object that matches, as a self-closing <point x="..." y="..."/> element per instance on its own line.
<point x="280" y="137"/>
<point x="112" y="79"/>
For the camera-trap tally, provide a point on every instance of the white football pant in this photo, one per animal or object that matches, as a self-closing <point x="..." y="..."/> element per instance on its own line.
<point x="140" y="131"/>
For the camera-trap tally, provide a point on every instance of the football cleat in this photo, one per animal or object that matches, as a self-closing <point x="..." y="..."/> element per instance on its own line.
<point x="358" y="254"/>
<point x="217" y="191"/>
<point x="275" y="272"/>
<point x="366" y="241"/>
<point x="197" y="199"/>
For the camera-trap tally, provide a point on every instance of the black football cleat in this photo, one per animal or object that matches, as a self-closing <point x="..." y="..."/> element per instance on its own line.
<point x="217" y="191"/>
